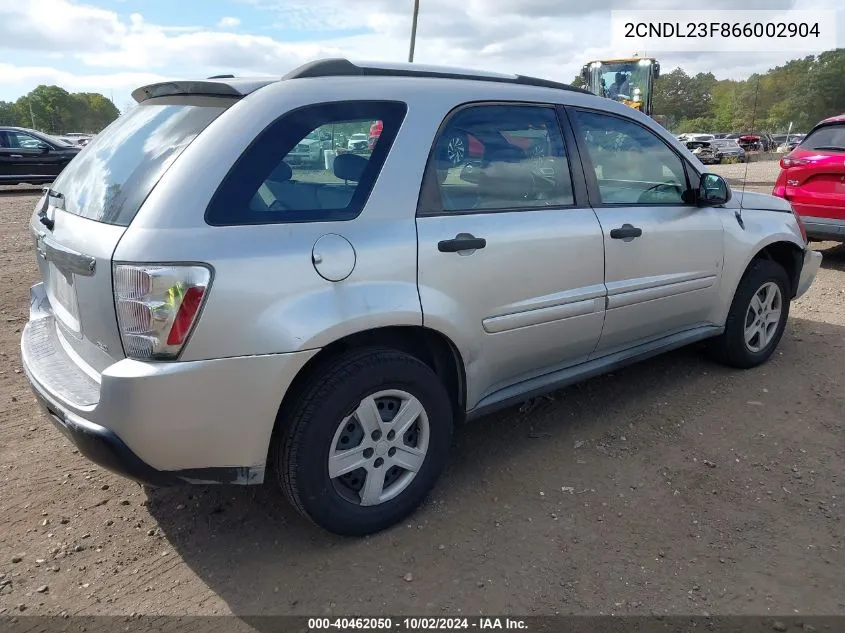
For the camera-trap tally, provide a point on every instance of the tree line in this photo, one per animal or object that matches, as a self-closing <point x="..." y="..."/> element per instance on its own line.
<point x="802" y="91"/>
<point x="54" y="110"/>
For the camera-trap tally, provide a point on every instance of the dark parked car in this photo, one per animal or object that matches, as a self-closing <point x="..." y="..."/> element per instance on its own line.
<point x="30" y="157"/>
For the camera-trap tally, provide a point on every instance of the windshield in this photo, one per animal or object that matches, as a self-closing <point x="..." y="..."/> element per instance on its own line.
<point x="623" y="81"/>
<point x="112" y="176"/>
<point x="829" y="137"/>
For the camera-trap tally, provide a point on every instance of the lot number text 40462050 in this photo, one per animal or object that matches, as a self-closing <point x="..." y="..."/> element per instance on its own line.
<point x="408" y="624"/>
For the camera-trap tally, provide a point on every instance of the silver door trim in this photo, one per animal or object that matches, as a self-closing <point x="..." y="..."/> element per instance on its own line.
<point x="662" y="291"/>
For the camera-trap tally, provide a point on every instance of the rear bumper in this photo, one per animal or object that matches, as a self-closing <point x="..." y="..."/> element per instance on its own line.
<point x="812" y="262"/>
<point x="106" y="449"/>
<point x="821" y="228"/>
<point x="160" y="423"/>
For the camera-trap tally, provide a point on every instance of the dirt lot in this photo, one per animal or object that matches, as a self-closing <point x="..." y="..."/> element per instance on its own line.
<point x="757" y="176"/>
<point x="675" y="486"/>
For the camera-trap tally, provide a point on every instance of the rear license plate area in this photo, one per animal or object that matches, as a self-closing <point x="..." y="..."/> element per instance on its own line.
<point x="62" y="295"/>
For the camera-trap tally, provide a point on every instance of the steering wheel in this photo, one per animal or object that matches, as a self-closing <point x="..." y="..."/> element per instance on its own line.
<point x="661" y="192"/>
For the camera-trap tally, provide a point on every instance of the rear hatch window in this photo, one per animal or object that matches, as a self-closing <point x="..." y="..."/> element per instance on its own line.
<point x="828" y="138"/>
<point x="110" y="179"/>
<point x="101" y="190"/>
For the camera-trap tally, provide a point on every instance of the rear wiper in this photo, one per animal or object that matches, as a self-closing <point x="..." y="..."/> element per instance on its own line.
<point x="52" y="193"/>
<point x="42" y="213"/>
<point x="838" y="148"/>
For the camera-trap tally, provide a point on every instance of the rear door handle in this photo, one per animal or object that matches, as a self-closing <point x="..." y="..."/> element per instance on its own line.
<point x="461" y="242"/>
<point x="15" y="155"/>
<point x="626" y="232"/>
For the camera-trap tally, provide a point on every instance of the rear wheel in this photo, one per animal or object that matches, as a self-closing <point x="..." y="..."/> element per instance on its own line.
<point x="757" y="317"/>
<point x="457" y="149"/>
<point x="366" y="441"/>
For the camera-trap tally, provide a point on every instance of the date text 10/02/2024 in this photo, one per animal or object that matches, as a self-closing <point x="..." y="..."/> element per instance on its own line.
<point x="417" y="624"/>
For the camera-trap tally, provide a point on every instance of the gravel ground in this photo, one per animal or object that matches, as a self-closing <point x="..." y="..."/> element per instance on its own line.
<point x="757" y="176"/>
<point x="676" y="486"/>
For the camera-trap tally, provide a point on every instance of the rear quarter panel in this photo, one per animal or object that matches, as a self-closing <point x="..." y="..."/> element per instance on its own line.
<point x="266" y="296"/>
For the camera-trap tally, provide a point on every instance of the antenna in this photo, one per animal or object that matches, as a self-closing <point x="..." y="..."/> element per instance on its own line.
<point x="414" y="31"/>
<point x="745" y="176"/>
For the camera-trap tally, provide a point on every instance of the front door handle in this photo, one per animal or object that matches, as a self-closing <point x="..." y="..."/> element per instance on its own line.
<point x="461" y="242"/>
<point x="626" y="232"/>
<point x="15" y="155"/>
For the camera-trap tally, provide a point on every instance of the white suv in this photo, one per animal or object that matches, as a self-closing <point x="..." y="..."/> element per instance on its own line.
<point x="214" y="311"/>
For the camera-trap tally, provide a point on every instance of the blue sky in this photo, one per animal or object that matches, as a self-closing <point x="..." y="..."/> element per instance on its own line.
<point x="113" y="46"/>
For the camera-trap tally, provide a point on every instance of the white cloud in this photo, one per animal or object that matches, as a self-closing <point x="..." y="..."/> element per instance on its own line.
<point x="229" y="23"/>
<point x="58" y="25"/>
<point x="11" y="75"/>
<point x="547" y="38"/>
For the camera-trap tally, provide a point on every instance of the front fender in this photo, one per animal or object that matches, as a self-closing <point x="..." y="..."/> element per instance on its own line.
<point x="743" y="243"/>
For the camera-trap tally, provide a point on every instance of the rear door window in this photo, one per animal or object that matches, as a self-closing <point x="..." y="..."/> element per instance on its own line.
<point x="110" y="179"/>
<point x="829" y="138"/>
<point x="311" y="165"/>
<point x="502" y="157"/>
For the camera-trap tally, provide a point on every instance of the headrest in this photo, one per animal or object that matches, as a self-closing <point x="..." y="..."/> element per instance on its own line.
<point x="281" y="173"/>
<point x="503" y="153"/>
<point x="506" y="180"/>
<point x="349" y="167"/>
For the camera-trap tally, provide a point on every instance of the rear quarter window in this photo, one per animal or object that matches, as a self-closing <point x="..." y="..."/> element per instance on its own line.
<point x="111" y="177"/>
<point x="314" y="164"/>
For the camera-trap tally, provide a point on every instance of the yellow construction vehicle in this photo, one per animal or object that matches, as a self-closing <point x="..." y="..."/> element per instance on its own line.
<point x="630" y="81"/>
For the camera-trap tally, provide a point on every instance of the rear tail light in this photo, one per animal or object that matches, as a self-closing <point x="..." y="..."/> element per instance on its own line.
<point x="787" y="161"/>
<point x="157" y="307"/>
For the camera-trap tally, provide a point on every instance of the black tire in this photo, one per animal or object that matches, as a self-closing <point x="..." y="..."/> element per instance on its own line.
<point x="730" y="348"/>
<point x="301" y="458"/>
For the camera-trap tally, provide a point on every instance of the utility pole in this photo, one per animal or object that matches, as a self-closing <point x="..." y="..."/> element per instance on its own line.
<point x="414" y="30"/>
<point x="31" y="115"/>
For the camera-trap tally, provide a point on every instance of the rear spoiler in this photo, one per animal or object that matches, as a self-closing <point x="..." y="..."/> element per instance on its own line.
<point x="230" y="87"/>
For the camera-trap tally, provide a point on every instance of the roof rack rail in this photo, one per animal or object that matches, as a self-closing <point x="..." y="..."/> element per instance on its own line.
<point x="221" y="77"/>
<point x="341" y="67"/>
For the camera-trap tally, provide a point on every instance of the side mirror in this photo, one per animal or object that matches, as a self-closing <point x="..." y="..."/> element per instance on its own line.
<point x="713" y="190"/>
<point x="45" y="149"/>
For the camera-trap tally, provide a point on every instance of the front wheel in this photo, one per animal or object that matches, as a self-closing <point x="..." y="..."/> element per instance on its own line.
<point x="757" y="317"/>
<point x="366" y="441"/>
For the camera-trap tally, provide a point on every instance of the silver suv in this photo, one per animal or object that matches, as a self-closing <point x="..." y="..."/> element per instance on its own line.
<point x="212" y="312"/>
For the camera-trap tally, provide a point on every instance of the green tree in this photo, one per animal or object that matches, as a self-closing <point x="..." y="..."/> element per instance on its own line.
<point x="802" y="91"/>
<point x="8" y="113"/>
<point x="54" y="110"/>
<point x="93" y="111"/>
<point x="51" y="107"/>
<point x="679" y="96"/>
